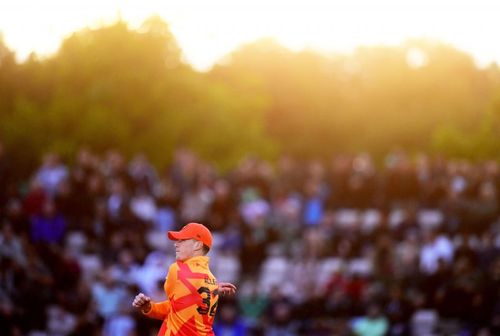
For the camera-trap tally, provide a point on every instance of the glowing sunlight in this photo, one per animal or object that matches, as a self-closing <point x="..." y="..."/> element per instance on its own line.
<point x="206" y="30"/>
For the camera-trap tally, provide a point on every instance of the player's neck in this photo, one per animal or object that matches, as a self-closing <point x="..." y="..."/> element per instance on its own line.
<point x="195" y="254"/>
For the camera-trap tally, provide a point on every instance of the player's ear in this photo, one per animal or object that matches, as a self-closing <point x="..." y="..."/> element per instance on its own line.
<point x="199" y="245"/>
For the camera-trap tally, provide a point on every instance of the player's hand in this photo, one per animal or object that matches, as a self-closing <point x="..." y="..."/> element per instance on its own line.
<point x="226" y="288"/>
<point x="142" y="302"/>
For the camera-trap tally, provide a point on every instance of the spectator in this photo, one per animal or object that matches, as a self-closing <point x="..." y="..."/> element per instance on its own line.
<point x="35" y="199"/>
<point x="253" y="305"/>
<point x="51" y="173"/>
<point x="372" y="324"/>
<point x="11" y="246"/>
<point x="421" y="239"/>
<point x="49" y="226"/>
<point x="228" y="322"/>
<point x="109" y="296"/>
<point x="142" y="173"/>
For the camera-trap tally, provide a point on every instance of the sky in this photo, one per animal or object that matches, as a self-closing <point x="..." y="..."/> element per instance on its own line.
<point x="206" y="30"/>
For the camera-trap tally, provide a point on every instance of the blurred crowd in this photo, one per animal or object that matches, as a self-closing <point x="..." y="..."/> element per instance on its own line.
<point x="410" y="246"/>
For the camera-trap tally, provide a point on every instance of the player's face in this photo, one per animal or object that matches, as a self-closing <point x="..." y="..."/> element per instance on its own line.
<point x="184" y="249"/>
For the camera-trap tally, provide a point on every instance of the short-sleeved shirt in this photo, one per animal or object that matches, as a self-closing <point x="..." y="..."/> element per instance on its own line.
<point x="192" y="292"/>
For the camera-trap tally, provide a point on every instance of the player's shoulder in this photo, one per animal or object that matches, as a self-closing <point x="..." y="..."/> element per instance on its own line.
<point x="174" y="267"/>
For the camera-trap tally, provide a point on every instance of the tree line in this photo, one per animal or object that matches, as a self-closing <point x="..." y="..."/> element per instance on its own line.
<point x="129" y="89"/>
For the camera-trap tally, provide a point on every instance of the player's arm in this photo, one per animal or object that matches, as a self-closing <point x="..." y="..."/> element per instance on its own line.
<point x="149" y="308"/>
<point x="157" y="310"/>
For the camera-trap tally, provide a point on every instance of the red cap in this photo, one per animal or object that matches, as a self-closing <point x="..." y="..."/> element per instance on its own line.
<point x="193" y="231"/>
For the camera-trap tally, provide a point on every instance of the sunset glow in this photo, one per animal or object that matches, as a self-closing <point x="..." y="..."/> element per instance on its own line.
<point x="207" y="30"/>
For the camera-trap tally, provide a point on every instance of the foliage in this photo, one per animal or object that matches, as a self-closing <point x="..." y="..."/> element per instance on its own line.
<point x="114" y="87"/>
<point x="479" y="143"/>
<point x="129" y="90"/>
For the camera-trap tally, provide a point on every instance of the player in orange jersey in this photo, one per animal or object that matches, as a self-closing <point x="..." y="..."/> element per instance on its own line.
<point x="191" y="288"/>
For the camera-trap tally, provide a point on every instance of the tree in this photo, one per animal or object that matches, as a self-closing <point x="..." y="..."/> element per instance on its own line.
<point x="114" y="87"/>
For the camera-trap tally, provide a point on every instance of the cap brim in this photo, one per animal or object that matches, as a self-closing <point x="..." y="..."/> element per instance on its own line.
<point x="176" y="235"/>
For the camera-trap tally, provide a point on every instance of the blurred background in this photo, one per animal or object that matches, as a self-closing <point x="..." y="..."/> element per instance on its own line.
<point x="345" y="158"/>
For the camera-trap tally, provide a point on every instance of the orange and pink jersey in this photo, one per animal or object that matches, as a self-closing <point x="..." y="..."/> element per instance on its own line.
<point x="192" y="299"/>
